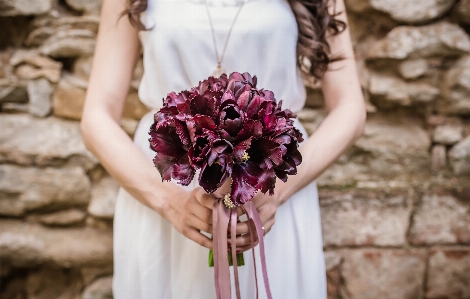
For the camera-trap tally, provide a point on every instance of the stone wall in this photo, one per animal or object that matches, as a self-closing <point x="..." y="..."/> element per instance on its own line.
<point x="395" y="207"/>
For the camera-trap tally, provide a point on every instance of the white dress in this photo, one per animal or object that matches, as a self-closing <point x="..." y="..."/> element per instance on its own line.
<point x="151" y="259"/>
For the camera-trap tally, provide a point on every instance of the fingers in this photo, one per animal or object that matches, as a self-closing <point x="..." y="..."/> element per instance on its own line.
<point x="243" y="242"/>
<point x="243" y="228"/>
<point x="201" y="212"/>
<point x="204" y="199"/>
<point x="199" y="224"/>
<point x="245" y="248"/>
<point x="197" y="237"/>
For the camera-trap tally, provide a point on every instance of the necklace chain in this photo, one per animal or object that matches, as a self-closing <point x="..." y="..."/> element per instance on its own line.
<point x="219" y="69"/>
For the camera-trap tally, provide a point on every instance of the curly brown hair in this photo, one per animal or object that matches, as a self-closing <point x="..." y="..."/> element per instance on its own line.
<point x="314" y="22"/>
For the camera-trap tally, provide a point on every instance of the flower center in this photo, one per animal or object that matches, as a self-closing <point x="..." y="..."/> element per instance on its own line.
<point x="245" y="157"/>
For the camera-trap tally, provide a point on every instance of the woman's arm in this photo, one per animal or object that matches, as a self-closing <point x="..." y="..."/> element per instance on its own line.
<point x="338" y="131"/>
<point x="346" y="115"/>
<point x="116" y="53"/>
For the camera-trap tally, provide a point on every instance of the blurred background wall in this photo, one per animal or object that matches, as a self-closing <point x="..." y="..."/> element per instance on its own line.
<point x="395" y="207"/>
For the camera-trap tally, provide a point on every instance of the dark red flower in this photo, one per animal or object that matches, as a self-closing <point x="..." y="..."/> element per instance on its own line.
<point x="172" y="159"/>
<point x="227" y="128"/>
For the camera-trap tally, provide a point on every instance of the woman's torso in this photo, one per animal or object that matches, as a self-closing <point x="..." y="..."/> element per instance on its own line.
<point x="179" y="49"/>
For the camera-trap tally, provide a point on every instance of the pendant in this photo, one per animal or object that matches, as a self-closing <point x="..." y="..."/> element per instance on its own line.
<point x="219" y="70"/>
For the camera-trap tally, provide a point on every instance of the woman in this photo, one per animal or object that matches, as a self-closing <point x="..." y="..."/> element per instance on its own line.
<point x="160" y="229"/>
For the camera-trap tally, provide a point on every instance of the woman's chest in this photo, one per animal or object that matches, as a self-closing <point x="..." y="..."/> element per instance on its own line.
<point x="190" y="20"/>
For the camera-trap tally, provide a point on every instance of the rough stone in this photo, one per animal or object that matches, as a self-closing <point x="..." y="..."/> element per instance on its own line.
<point x="82" y="67"/>
<point x="40" y="94"/>
<point x="386" y="274"/>
<point x="333" y="274"/>
<point x="39" y="35"/>
<point x="459" y="157"/>
<point x="13" y="287"/>
<point x="314" y="96"/>
<point x="26" y="189"/>
<point x="63" y="218"/>
<point x="449" y="273"/>
<point x="28" y="244"/>
<point x="35" y="59"/>
<point x="392" y="150"/>
<point x="30" y="72"/>
<point x="364" y="220"/>
<point x="133" y="107"/>
<point x="440" y="39"/>
<point x="103" y="198"/>
<point x="457" y="89"/>
<point x="11" y="93"/>
<point x="32" y="65"/>
<point x="129" y="126"/>
<point x="67" y="21"/>
<point x="406" y="11"/>
<point x="441" y="219"/>
<point x="388" y="91"/>
<point x="412" y="69"/>
<point x="89" y="274"/>
<point x="27" y="140"/>
<point x="99" y="289"/>
<point x="311" y="118"/>
<point x="97" y="223"/>
<point x="15" y="107"/>
<point x="89" y="22"/>
<point x="69" y="43"/>
<point x="85" y="5"/>
<point x="463" y="11"/>
<point x="28" y="249"/>
<point x="47" y="283"/>
<point x="24" y="7"/>
<point x="438" y="154"/>
<point x="447" y="134"/>
<point x="69" y="97"/>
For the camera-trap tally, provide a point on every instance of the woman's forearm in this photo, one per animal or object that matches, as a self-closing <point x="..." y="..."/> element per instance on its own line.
<point x="123" y="160"/>
<point x="338" y="131"/>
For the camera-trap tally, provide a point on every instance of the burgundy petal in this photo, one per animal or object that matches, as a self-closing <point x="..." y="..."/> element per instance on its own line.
<point x="253" y="108"/>
<point x="205" y="122"/>
<point x="183" y="172"/>
<point x="263" y="149"/>
<point x="213" y="176"/>
<point x="170" y="151"/>
<point x="244" y="180"/>
<point x="267" y="181"/>
<point x="251" y="128"/>
<point x="241" y="149"/>
<point x="182" y="132"/>
<point x="164" y="165"/>
<point x="217" y="149"/>
<point x="244" y="99"/>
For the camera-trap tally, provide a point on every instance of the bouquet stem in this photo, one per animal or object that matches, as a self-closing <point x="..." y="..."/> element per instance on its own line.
<point x="240" y="259"/>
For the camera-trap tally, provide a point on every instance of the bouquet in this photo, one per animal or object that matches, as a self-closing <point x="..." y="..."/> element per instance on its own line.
<point x="229" y="130"/>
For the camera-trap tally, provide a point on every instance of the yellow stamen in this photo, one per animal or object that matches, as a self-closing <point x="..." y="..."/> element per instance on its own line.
<point x="245" y="157"/>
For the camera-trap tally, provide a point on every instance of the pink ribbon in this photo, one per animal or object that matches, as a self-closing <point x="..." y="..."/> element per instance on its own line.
<point x="221" y="216"/>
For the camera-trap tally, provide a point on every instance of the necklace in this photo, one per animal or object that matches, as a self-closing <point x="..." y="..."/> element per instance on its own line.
<point x="219" y="70"/>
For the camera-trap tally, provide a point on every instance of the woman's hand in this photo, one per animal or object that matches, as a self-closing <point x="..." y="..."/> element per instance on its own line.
<point x="267" y="207"/>
<point x="190" y="212"/>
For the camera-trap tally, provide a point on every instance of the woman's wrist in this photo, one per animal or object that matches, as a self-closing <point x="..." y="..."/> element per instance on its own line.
<point x="281" y="193"/>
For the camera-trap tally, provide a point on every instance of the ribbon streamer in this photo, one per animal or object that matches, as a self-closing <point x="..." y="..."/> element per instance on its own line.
<point x="221" y="218"/>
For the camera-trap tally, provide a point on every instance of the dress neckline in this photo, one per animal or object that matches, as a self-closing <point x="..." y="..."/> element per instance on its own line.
<point x="221" y="3"/>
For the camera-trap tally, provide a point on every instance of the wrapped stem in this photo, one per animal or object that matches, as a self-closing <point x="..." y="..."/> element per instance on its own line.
<point x="240" y="259"/>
